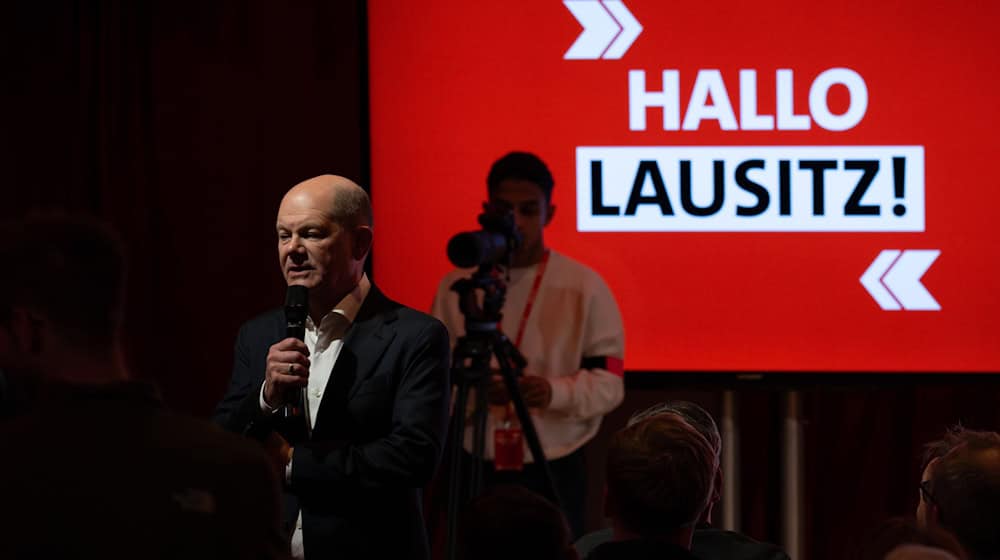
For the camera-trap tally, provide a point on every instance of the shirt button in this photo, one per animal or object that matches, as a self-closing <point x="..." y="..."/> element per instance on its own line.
<point x="316" y="393"/>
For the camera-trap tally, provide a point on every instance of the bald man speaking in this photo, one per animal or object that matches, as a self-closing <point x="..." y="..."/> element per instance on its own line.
<point x="376" y="380"/>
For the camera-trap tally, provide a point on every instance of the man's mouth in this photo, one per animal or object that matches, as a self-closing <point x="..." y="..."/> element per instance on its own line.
<point x="303" y="268"/>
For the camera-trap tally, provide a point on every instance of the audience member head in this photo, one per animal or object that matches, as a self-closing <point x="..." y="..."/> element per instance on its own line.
<point x="324" y="229"/>
<point x="701" y="420"/>
<point x="954" y="436"/>
<point x="962" y="494"/>
<point x="933" y="451"/>
<point x="511" y="522"/>
<point x="521" y="166"/>
<point x="61" y="295"/>
<point x="521" y="182"/>
<point x="693" y="414"/>
<point x="659" y="478"/>
<point x="898" y="531"/>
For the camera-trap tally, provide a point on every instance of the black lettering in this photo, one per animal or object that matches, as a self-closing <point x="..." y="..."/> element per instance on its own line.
<point x="763" y="199"/>
<point x="853" y="207"/>
<point x="660" y="197"/>
<point x="818" y="167"/>
<point x="785" y="187"/>
<point x="597" y="207"/>
<point x="718" y="194"/>
<point x="899" y="183"/>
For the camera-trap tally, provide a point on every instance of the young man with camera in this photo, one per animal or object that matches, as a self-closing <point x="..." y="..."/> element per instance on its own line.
<point x="563" y="318"/>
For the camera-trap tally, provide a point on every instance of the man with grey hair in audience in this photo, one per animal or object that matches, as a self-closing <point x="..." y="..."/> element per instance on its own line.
<point x="708" y="541"/>
<point x="659" y="479"/>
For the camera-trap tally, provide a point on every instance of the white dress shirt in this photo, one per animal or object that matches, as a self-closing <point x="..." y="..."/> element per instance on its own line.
<point x="325" y="344"/>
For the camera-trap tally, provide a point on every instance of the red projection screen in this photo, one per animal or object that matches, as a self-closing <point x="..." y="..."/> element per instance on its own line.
<point x="765" y="186"/>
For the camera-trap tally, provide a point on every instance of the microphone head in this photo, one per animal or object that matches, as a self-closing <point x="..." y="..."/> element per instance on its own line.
<point x="297" y="304"/>
<point x="297" y="295"/>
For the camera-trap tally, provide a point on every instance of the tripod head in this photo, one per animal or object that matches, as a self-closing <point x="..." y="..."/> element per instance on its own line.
<point x="481" y="296"/>
<point x="485" y="315"/>
<point x="483" y="338"/>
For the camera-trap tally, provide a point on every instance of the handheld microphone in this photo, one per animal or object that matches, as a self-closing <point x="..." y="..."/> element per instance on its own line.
<point x="296" y="311"/>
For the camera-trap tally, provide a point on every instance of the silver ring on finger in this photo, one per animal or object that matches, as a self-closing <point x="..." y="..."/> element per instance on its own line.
<point x="291" y="369"/>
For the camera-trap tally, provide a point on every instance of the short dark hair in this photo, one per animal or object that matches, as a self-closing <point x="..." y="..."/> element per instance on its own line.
<point x="70" y="269"/>
<point x="965" y="487"/>
<point x="660" y="472"/>
<point x="523" y="166"/>
<point x="698" y="417"/>
<point x="510" y="521"/>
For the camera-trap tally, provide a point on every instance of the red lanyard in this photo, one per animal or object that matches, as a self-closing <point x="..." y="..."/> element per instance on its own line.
<point x="531" y="299"/>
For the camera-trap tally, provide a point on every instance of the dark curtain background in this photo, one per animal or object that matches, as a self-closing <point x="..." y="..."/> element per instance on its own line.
<point x="183" y="123"/>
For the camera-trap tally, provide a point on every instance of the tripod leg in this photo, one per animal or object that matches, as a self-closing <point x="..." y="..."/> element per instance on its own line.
<point x="461" y="489"/>
<point x="479" y="440"/>
<point x="527" y="425"/>
<point x="456" y="433"/>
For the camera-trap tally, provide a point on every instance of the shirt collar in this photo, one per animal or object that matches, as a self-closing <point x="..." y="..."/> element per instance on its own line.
<point x="338" y="319"/>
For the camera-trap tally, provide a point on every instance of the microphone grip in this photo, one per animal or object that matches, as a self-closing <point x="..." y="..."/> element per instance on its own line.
<point x="296" y="314"/>
<point x="294" y="405"/>
<point x="295" y="330"/>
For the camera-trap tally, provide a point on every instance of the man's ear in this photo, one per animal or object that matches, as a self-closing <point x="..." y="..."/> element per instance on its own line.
<point x="363" y="237"/>
<point x="933" y="515"/>
<point x="550" y="213"/>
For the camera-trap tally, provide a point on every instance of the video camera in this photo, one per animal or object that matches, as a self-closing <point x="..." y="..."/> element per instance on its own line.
<point x="492" y="245"/>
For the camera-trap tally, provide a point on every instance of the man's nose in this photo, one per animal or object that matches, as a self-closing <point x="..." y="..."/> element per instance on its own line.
<point x="296" y="249"/>
<point x="519" y="220"/>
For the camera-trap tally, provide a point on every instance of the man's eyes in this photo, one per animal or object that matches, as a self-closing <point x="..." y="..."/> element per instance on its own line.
<point x="527" y="209"/>
<point x="311" y="234"/>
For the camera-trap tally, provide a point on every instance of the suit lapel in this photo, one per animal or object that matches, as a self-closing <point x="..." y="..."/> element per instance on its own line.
<point x="364" y="344"/>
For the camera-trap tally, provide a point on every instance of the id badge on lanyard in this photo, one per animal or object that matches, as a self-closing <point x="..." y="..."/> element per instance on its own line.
<point x="508" y="439"/>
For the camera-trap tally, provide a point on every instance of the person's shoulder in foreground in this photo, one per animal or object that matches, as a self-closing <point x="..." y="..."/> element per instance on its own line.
<point x="101" y="468"/>
<point x="710" y="542"/>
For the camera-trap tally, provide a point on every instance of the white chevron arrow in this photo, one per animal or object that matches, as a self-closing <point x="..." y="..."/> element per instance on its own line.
<point x="609" y="29"/>
<point x="893" y="280"/>
<point x="630" y="29"/>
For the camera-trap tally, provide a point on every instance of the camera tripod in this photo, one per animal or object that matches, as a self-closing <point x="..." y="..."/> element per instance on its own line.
<point x="483" y="341"/>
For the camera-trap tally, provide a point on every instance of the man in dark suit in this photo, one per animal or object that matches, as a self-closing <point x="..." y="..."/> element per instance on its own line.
<point x="376" y="380"/>
<point x="94" y="466"/>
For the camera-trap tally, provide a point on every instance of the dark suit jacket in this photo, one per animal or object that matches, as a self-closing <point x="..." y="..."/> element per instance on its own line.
<point x="378" y="435"/>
